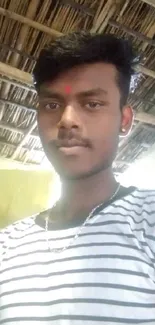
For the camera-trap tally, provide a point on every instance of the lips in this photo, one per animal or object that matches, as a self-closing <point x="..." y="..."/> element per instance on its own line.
<point x="69" y="143"/>
<point x="73" y="151"/>
<point x="70" y="147"/>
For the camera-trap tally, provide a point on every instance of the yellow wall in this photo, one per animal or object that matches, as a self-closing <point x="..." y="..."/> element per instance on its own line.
<point x="24" y="192"/>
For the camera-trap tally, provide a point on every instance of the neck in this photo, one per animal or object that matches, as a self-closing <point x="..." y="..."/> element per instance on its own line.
<point x="81" y="196"/>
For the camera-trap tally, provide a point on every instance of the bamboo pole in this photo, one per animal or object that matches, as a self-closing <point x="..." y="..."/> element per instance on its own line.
<point x="30" y="14"/>
<point x="147" y="72"/>
<point x="150" y="2"/>
<point x="107" y="18"/>
<point x="55" y="33"/>
<point x="101" y="15"/>
<point x="29" y="22"/>
<point x="140" y="99"/>
<point x="17" y="84"/>
<point x="132" y="32"/>
<point x="16" y="130"/>
<point x="145" y="118"/>
<point x="14" y="146"/>
<point x="16" y="74"/>
<point x="29" y="151"/>
<point x="24" y="140"/>
<point x="122" y="162"/>
<point x="15" y="50"/>
<point x="9" y="102"/>
<point x="83" y="8"/>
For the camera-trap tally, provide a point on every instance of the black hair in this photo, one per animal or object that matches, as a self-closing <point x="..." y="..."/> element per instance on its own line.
<point x="83" y="48"/>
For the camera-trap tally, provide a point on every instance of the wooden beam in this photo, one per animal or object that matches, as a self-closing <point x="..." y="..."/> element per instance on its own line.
<point x="15" y="57"/>
<point x="132" y="32"/>
<point x="22" y="35"/>
<point x="52" y="32"/>
<point x="146" y="71"/>
<point x="122" y="162"/>
<point x="150" y="2"/>
<point x="145" y="118"/>
<point x="103" y="15"/>
<point x="21" y="76"/>
<point x="15" y="50"/>
<point x="24" y="140"/>
<point x="16" y="130"/>
<point x="140" y="99"/>
<point x="18" y="84"/>
<point x="31" y="23"/>
<point x="14" y="146"/>
<point x="9" y="102"/>
<point x="83" y="8"/>
<point x="16" y="74"/>
<point x="30" y="151"/>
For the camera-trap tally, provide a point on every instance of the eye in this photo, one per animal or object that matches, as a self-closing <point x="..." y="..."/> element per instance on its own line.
<point x="93" y="105"/>
<point x="52" y="106"/>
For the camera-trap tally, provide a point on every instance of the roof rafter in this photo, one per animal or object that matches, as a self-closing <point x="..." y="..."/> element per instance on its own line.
<point x="24" y="140"/>
<point x="14" y="146"/>
<point x="130" y="31"/>
<point x="34" y="24"/>
<point x="150" y="2"/>
<point x="9" y="102"/>
<point x="16" y="130"/>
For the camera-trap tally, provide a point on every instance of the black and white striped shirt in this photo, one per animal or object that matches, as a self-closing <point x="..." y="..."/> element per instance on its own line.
<point x="106" y="277"/>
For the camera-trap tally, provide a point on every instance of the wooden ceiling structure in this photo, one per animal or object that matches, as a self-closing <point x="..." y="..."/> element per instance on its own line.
<point x="27" y="25"/>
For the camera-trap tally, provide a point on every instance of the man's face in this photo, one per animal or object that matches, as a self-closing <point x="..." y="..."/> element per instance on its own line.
<point x="79" y="120"/>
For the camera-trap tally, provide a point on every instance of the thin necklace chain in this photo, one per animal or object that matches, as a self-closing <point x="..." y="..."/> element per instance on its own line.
<point x="60" y="250"/>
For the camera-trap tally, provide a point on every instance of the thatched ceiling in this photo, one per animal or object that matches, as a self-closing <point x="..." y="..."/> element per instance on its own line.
<point x="27" y="25"/>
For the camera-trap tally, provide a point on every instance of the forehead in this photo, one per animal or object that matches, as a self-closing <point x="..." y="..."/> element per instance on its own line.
<point x="84" y="77"/>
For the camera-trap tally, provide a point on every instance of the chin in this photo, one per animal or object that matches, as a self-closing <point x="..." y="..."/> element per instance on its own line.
<point x="71" y="174"/>
<point x="70" y="168"/>
<point x="76" y="168"/>
<point x="68" y="174"/>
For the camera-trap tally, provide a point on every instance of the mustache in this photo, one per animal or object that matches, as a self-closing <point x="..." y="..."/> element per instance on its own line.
<point x="69" y="140"/>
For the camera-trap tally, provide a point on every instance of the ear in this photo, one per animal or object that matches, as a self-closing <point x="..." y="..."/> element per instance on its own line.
<point x="126" y="121"/>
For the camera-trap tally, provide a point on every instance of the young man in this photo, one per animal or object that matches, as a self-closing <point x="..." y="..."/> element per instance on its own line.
<point x="91" y="258"/>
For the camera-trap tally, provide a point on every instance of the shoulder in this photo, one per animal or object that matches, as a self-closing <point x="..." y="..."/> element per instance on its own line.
<point x="139" y="204"/>
<point x="144" y="197"/>
<point x="17" y="227"/>
<point x="142" y="203"/>
<point x="147" y="224"/>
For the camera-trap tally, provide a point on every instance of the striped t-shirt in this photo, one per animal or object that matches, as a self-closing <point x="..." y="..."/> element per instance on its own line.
<point x="106" y="277"/>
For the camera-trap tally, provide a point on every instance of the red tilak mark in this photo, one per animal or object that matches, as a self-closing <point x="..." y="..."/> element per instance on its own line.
<point x="68" y="89"/>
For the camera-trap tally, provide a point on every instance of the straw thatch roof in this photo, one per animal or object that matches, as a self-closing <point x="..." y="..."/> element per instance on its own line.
<point x="27" y="25"/>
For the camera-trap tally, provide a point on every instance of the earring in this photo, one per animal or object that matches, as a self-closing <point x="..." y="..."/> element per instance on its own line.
<point x="123" y="130"/>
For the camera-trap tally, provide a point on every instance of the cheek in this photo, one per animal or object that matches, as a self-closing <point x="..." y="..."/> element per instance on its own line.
<point x="106" y="138"/>
<point x="46" y="127"/>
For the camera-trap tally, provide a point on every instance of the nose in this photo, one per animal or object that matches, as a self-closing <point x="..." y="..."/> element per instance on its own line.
<point x="69" y="118"/>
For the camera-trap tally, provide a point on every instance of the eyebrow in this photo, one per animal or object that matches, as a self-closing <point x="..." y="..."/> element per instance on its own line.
<point x="50" y="94"/>
<point x="92" y="92"/>
<point x="87" y="93"/>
